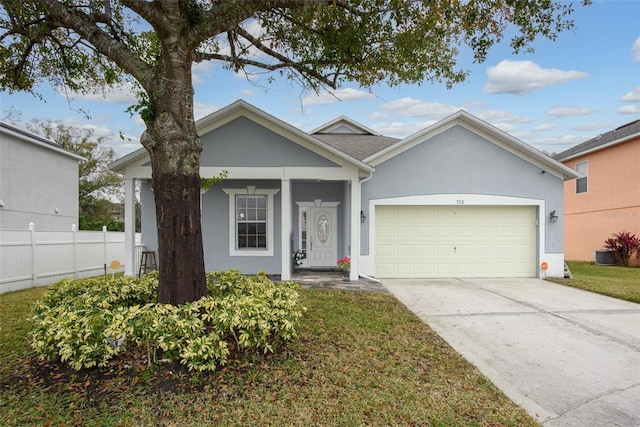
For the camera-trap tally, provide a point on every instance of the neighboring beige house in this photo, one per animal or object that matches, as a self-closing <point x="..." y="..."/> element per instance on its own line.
<point x="606" y="199"/>
<point x="38" y="182"/>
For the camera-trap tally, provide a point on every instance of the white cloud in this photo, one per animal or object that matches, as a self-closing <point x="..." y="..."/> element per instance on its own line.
<point x="412" y="107"/>
<point x="570" y="111"/>
<point x="124" y="93"/>
<point x="629" y="109"/>
<point x="544" y="127"/>
<point x="112" y="131"/>
<point x="635" y="49"/>
<point x="201" y="71"/>
<point x="520" y="77"/>
<point x="506" y="127"/>
<point x="497" y="116"/>
<point x="201" y="110"/>
<point x="326" y="97"/>
<point x="632" y="96"/>
<point x="556" y="144"/>
<point x="378" y="116"/>
<point x="591" y="126"/>
<point x="400" y="129"/>
<point x="246" y="93"/>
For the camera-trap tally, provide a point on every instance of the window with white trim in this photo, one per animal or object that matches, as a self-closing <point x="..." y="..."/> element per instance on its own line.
<point x="582" y="184"/>
<point x="250" y="221"/>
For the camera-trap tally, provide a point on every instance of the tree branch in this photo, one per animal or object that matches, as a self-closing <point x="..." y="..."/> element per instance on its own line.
<point x="105" y="44"/>
<point x="284" y="61"/>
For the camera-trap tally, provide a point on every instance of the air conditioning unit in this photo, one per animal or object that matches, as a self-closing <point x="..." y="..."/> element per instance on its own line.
<point x="605" y="257"/>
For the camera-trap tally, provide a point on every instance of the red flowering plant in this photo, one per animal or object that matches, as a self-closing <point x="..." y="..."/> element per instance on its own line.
<point x="623" y="245"/>
<point x="344" y="264"/>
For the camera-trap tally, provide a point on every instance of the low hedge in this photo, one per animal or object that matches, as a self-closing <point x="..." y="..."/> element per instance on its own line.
<point x="88" y="323"/>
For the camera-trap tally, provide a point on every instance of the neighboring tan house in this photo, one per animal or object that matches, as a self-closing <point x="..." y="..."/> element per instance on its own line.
<point x="606" y="199"/>
<point x="460" y="198"/>
<point x="38" y="182"/>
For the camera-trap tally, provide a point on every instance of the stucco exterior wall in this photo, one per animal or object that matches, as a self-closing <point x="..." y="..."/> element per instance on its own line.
<point x="245" y="143"/>
<point x="35" y="182"/>
<point x="460" y="162"/>
<point x="611" y="203"/>
<point x="215" y="231"/>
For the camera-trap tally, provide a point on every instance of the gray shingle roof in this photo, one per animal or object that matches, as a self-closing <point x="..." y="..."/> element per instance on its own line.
<point x="602" y="140"/>
<point x="356" y="145"/>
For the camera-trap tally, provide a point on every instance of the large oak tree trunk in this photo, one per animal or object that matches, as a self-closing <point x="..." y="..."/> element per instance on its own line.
<point x="182" y="274"/>
<point x="177" y="184"/>
<point x="175" y="148"/>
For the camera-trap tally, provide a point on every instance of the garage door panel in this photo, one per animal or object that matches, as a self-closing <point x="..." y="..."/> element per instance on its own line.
<point x="465" y="231"/>
<point x="453" y="241"/>
<point x="422" y="231"/>
<point x="425" y="250"/>
<point x="402" y="232"/>
<point x="384" y="251"/>
<point x="445" y="231"/>
<point x="406" y="251"/>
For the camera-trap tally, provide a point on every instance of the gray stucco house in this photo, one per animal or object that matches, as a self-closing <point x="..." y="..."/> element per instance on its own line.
<point x="38" y="182"/>
<point x="460" y="198"/>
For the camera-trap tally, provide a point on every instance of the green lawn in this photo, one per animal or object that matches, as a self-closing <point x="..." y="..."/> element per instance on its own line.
<point x="614" y="281"/>
<point x="360" y="359"/>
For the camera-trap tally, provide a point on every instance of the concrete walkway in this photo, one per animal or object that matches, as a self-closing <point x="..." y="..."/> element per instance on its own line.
<point x="334" y="280"/>
<point x="568" y="357"/>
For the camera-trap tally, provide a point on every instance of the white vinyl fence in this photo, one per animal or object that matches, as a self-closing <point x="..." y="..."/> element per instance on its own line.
<point x="30" y="258"/>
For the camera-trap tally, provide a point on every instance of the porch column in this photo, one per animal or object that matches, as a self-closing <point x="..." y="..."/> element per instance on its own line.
<point x="129" y="227"/>
<point x="355" y="229"/>
<point x="285" y="231"/>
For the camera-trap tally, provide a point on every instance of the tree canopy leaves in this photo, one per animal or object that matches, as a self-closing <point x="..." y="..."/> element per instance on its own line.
<point x="86" y="44"/>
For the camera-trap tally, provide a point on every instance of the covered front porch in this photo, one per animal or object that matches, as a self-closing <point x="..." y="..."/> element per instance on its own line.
<point x="320" y="218"/>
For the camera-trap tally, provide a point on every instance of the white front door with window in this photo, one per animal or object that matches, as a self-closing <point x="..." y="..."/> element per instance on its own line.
<point x="323" y="237"/>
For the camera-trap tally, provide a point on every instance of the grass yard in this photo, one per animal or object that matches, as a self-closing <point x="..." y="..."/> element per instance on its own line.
<point x="360" y="359"/>
<point x="614" y="281"/>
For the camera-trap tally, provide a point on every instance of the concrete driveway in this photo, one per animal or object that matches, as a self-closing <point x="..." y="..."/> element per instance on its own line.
<point x="568" y="357"/>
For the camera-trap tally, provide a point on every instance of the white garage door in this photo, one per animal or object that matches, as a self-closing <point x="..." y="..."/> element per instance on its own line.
<point x="455" y="241"/>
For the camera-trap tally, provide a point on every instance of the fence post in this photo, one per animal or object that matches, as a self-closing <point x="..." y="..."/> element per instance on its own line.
<point x="32" y="230"/>
<point x="104" y="242"/>
<point x="75" y="251"/>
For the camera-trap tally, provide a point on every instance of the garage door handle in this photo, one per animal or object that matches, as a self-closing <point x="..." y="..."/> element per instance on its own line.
<point x="454" y="249"/>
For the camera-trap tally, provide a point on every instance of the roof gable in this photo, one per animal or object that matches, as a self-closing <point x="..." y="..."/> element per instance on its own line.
<point x="242" y="142"/>
<point x="241" y="108"/>
<point x="480" y="128"/>
<point x="619" y="135"/>
<point x="343" y="125"/>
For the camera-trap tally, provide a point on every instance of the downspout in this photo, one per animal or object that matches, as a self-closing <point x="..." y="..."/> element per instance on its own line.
<point x="362" y="181"/>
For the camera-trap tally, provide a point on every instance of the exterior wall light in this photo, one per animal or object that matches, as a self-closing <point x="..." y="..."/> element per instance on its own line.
<point x="553" y="216"/>
<point x="363" y="217"/>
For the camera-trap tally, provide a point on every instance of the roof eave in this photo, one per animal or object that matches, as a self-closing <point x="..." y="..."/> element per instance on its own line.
<point x="599" y="147"/>
<point x="210" y="120"/>
<point x="463" y="117"/>
<point x="38" y="140"/>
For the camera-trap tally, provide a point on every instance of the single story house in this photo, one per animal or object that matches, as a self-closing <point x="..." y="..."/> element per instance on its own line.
<point x="38" y="182"/>
<point x="606" y="198"/>
<point x="460" y="198"/>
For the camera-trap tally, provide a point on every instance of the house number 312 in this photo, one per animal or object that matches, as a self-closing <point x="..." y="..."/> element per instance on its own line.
<point x="459" y="202"/>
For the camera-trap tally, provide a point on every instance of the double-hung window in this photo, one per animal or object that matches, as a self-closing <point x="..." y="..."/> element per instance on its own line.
<point x="582" y="184"/>
<point x="251" y="221"/>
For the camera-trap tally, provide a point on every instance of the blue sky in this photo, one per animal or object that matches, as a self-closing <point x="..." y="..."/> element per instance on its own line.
<point x="584" y="83"/>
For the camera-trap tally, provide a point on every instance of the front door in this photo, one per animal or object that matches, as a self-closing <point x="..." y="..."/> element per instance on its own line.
<point x="323" y="237"/>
